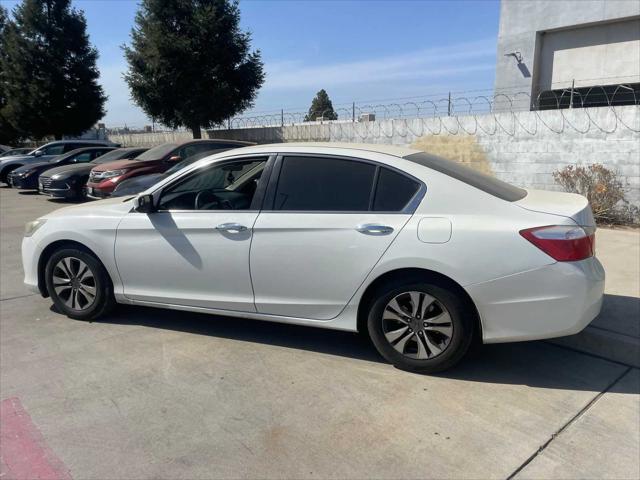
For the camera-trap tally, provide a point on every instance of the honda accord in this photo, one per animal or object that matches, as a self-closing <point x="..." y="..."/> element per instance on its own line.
<point x="420" y="253"/>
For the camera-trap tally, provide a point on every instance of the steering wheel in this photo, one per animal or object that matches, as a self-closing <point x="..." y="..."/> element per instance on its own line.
<point x="211" y="201"/>
<point x="205" y="197"/>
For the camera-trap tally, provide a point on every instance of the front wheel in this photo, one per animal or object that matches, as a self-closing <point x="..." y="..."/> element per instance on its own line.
<point x="420" y="327"/>
<point x="78" y="284"/>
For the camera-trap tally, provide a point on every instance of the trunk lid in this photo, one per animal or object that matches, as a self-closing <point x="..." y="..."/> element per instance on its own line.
<point x="569" y="205"/>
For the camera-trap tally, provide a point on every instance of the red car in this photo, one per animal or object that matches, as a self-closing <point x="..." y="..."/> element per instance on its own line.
<point x="104" y="178"/>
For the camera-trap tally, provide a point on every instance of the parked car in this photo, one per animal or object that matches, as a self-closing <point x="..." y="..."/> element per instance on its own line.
<point x="26" y="177"/>
<point x="16" y="151"/>
<point x="69" y="181"/>
<point x="420" y="253"/>
<point x="135" y="185"/>
<point x="103" y="179"/>
<point x="46" y="152"/>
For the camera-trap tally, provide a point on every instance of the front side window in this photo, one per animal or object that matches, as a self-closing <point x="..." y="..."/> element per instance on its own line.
<point x="196" y="148"/>
<point x="227" y="186"/>
<point x="324" y="184"/>
<point x="83" y="157"/>
<point x="53" y="149"/>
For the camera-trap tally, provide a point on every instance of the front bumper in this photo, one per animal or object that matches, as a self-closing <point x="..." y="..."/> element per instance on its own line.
<point x="25" y="183"/>
<point x="30" y="256"/>
<point x="553" y="301"/>
<point x="55" y="189"/>
<point x="96" y="191"/>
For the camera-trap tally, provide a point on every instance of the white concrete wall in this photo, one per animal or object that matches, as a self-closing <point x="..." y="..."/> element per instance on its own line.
<point x="523" y="148"/>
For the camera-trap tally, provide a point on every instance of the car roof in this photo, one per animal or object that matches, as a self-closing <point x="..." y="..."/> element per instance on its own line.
<point x="393" y="150"/>
<point x="215" y="140"/>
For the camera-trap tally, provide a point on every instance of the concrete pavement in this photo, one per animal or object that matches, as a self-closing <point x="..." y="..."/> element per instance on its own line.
<point x="148" y="393"/>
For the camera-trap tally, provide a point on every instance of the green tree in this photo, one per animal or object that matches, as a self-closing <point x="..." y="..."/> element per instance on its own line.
<point x="190" y="64"/>
<point x="321" y="106"/>
<point x="8" y="134"/>
<point x="51" y="78"/>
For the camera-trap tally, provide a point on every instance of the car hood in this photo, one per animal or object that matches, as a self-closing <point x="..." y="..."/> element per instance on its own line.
<point x="121" y="164"/>
<point x="110" y="206"/>
<point x="73" y="169"/>
<point x="32" y="165"/>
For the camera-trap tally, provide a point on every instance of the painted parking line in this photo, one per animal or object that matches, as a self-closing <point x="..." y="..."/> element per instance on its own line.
<point x="24" y="454"/>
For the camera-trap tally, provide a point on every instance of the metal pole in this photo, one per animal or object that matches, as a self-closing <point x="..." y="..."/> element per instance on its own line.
<point x="229" y="123"/>
<point x="353" y="112"/>
<point x="449" y="105"/>
<point x="573" y="84"/>
<point x="282" y="117"/>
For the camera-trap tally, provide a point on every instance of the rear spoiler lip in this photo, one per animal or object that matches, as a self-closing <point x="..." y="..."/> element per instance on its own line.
<point x="581" y="214"/>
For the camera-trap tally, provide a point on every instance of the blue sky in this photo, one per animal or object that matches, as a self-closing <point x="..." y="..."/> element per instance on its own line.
<point x="356" y="50"/>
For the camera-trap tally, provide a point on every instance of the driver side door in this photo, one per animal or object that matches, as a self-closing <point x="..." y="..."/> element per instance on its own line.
<point x="194" y="251"/>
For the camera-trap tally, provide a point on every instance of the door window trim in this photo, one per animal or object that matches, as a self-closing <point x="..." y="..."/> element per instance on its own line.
<point x="256" y="201"/>
<point x="409" y="208"/>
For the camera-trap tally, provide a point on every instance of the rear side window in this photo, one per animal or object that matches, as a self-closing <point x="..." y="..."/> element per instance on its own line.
<point x="483" y="182"/>
<point x="393" y="191"/>
<point x="325" y="184"/>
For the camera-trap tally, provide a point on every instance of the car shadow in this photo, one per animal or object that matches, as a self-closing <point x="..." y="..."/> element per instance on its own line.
<point x="69" y="201"/>
<point x="28" y="192"/>
<point x="535" y="364"/>
<point x="620" y="314"/>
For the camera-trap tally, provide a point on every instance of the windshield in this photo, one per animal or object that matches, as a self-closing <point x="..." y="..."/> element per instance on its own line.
<point x="157" y="152"/>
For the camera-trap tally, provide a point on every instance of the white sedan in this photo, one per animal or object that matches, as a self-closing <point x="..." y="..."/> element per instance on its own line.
<point x="420" y="253"/>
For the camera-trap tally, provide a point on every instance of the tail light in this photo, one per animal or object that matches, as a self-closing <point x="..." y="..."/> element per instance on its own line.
<point x="564" y="243"/>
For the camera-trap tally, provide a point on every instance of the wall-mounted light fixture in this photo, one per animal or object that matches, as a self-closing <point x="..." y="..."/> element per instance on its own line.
<point x="521" y="65"/>
<point x="517" y="55"/>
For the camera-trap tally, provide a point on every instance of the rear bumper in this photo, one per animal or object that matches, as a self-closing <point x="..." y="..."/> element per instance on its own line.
<point x="553" y="301"/>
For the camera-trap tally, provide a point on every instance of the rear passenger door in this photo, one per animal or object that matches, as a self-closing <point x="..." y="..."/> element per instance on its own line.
<point x="325" y="223"/>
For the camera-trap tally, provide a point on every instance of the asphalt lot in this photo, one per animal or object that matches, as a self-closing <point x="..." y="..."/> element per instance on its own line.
<point x="148" y="393"/>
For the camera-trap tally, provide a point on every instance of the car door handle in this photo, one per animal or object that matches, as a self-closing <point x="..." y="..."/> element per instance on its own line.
<point x="231" y="227"/>
<point x="374" y="229"/>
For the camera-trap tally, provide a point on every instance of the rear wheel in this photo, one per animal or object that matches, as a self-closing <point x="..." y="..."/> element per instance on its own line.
<point x="420" y="327"/>
<point x="78" y="284"/>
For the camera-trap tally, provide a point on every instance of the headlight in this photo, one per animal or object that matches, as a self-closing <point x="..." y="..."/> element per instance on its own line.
<point x="31" y="227"/>
<point x="113" y="173"/>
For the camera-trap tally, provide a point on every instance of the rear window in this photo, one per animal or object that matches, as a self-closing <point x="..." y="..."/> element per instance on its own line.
<point x="476" y="179"/>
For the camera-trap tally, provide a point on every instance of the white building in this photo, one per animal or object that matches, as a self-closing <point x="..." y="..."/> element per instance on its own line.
<point x="559" y="50"/>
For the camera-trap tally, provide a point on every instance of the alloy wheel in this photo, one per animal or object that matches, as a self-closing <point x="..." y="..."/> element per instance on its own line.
<point x="417" y="325"/>
<point x="74" y="283"/>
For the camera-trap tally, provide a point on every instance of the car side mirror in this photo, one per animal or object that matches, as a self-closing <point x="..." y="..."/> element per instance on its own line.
<point x="144" y="204"/>
<point x="174" y="159"/>
<point x="38" y="153"/>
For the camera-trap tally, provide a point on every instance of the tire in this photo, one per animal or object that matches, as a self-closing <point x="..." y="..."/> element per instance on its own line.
<point x="395" y="326"/>
<point x="93" y="288"/>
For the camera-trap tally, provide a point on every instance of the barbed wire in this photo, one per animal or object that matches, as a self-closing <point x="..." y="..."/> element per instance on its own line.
<point x="469" y="113"/>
